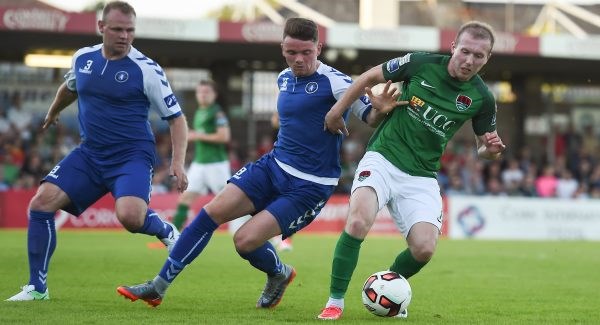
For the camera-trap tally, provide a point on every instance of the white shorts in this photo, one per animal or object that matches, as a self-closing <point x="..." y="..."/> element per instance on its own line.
<point x="410" y="199"/>
<point x="212" y="177"/>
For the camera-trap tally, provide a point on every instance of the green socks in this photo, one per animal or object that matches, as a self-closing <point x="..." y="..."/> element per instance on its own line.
<point x="406" y="265"/>
<point x="345" y="258"/>
<point x="180" y="216"/>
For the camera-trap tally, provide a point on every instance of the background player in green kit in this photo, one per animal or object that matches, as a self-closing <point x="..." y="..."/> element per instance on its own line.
<point x="210" y="169"/>
<point x="439" y="94"/>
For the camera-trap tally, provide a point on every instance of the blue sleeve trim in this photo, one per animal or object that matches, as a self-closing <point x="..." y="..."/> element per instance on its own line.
<point x="170" y="117"/>
<point x="366" y="113"/>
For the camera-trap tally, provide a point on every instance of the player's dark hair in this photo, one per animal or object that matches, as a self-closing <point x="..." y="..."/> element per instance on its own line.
<point x="302" y="29"/>
<point x="210" y="83"/>
<point x="122" y="6"/>
<point x="479" y="30"/>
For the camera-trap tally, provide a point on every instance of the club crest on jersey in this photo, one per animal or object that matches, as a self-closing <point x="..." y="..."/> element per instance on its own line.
<point x="463" y="102"/>
<point x="121" y="76"/>
<point x="283" y="86"/>
<point x="311" y="87"/>
<point x="363" y="175"/>
<point x="170" y="100"/>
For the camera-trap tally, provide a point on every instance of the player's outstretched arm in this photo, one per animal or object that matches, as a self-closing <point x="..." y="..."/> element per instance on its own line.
<point x="178" y="128"/>
<point x="64" y="97"/>
<point x="490" y="146"/>
<point x="334" y="122"/>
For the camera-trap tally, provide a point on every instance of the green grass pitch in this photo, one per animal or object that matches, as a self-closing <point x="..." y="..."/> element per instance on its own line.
<point x="467" y="282"/>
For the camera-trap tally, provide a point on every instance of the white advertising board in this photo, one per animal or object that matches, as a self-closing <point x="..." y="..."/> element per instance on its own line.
<point x="404" y="38"/>
<point x="523" y="218"/>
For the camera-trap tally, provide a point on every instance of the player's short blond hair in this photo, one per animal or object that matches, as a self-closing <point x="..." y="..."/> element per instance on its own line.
<point x="478" y="30"/>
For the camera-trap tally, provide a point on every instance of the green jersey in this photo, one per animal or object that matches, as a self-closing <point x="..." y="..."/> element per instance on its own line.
<point x="207" y="120"/>
<point x="413" y="137"/>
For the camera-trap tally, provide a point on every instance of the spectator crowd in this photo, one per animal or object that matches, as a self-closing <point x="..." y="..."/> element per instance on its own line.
<point x="28" y="153"/>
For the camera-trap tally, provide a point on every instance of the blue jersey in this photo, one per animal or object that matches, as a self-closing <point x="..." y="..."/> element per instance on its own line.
<point x="114" y="98"/>
<point x="303" y="148"/>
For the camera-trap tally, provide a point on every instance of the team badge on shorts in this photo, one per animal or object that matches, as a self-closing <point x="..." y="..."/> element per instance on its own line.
<point x="363" y="175"/>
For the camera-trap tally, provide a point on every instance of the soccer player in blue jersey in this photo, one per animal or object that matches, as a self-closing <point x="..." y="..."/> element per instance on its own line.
<point x="115" y="86"/>
<point x="286" y="188"/>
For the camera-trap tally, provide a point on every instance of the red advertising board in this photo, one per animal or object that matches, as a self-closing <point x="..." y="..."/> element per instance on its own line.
<point x="101" y="215"/>
<point x="256" y="32"/>
<point x="46" y="19"/>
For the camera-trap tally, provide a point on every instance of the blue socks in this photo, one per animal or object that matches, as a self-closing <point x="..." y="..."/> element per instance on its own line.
<point x="41" y="242"/>
<point x="154" y="226"/>
<point x="191" y="243"/>
<point x="264" y="258"/>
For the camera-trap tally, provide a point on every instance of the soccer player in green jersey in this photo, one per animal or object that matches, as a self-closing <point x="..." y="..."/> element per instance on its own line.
<point x="210" y="169"/>
<point x="439" y="94"/>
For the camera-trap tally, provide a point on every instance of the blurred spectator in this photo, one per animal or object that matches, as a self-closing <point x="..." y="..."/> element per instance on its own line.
<point x="566" y="186"/>
<point x="455" y="186"/>
<point x="582" y="192"/>
<point x="545" y="184"/>
<point x="25" y="182"/>
<point x="10" y="170"/>
<point x="472" y="175"/>
<point x="4" y="121"/>
<point x="590" y="142"/>
<point x="512" y="176"/>
<point x="528" y="188"/>
<point x="595" y="192"/>
<point x="525" y="159"/>
<point x="584" y="168"/>
<point x="3" y="184"/>
<point x="33" y="166"/>
<point x="495" y="187"/>
<point x="19" y="117"/>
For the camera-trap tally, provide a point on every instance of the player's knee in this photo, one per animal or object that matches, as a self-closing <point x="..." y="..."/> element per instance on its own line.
<point x="133" y="223"/>
<point x="423" y="251"/>
<point x="45" y="201"/>
<point x="244" y="243"/>
<point x="357" y="227"/>
<point x="39" y="203"/>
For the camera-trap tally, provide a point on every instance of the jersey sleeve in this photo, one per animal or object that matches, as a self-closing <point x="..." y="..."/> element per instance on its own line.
<point x="71" y="81"/>
<point x="360" y="107"/>
<point x="159" y="93"/>
<point x="404" y="67"/>
<point x="70" y="76"/>
<point x="221" y="119"/>
<point x="485" y="120"/>
<point x="397" y="69"/>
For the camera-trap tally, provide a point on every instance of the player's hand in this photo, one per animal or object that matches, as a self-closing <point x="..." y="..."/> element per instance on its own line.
<point x="178" y="173"/>
<point x="334" y="123"/>
<point x="50" y="119"/>
<point x="387" y="100"/>
<point x="493" y="144"/>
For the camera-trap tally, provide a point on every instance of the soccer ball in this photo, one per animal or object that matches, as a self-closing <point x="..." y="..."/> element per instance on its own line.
<point x="386" y="293"/>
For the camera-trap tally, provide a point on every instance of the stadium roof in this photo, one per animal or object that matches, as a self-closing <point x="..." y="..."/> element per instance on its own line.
<point x="32" y="26"/>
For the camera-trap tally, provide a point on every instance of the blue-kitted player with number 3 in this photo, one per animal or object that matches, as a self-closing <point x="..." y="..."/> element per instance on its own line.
<point x="115" y="85"/>
<point x="286" y="188"/>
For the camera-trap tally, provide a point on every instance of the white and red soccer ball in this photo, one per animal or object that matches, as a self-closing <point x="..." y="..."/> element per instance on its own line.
<point x="386" y="293"/>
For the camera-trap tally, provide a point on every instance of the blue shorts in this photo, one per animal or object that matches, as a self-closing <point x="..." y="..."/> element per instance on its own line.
<point x="85" y="181"/>
<point x="293" y="201"/>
